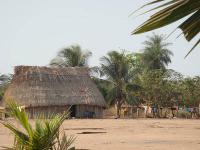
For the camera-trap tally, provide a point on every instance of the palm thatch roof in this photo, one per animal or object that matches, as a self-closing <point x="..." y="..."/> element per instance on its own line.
<point x="44" y="86"/>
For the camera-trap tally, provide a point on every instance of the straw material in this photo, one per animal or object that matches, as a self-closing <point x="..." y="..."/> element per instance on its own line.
<point x="43" y="86"/>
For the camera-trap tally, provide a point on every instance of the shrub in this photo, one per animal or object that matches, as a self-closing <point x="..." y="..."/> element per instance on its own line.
<point x="45" y="136"/>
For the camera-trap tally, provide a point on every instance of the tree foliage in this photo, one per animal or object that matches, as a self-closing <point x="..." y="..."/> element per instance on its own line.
<point x="72" y="56"/>
<point x="4" y="82"/>
<point x="144" y="78"/>
<point x="191" y="91"/>
<point x="155" y="53"/>
<point x="117" y="69"/>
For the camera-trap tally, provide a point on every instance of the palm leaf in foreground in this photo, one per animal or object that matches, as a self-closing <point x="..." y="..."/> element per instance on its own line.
<point x="45" y="135"/>
<point x="172" y="11"/>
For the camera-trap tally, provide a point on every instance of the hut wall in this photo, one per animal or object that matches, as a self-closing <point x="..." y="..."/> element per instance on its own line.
<point x="34" y="112"/>
<point x="2" y="114"/>
<point x="81" y="110"/>
<point x="139" y="114"/>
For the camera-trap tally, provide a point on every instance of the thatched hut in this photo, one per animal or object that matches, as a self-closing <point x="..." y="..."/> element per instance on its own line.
<point x="44" y="90"/>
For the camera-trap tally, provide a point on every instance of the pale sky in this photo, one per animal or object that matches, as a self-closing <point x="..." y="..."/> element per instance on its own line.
<point x="33" y="31"/>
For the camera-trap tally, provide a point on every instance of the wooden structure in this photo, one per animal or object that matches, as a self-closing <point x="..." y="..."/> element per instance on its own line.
<point x="132" y="111"/>
<point x="2" y="113"/>
<point x="55" y="90"/>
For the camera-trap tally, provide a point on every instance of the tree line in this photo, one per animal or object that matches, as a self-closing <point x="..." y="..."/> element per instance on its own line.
<point x="130" y="78"/>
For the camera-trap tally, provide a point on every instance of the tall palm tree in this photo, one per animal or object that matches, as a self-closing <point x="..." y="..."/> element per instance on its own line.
<point x="171" y="11"/>
<point x="115" y="67"/>
<point x="72" y="56"/>
<point x="155" y="54"/>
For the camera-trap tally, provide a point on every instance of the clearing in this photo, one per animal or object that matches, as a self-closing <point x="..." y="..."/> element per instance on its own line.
<point x="128" y="134"/>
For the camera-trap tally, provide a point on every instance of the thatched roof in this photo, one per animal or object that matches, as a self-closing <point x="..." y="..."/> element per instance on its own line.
<point x="44" y="86"/>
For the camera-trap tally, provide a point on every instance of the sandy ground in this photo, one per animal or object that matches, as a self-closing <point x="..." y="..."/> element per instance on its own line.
<point x="140" y="134"/>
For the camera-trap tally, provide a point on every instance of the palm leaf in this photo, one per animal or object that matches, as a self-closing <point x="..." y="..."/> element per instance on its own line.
<point x="7" y="148"/>
<point x="43" y="137"/>
<point x="19" y="114"/>
<point x="198" y="42"/>
<point x="173" y="11"/>
<point x="22" y="138"/>
<point x="65" y="142"/>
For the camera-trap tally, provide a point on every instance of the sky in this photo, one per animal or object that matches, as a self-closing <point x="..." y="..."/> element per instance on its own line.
<point x="33" y="31"/>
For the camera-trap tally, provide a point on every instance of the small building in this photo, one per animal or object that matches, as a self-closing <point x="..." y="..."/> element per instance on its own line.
<point x="44" y="90"/>
<point x="134" y="111"/>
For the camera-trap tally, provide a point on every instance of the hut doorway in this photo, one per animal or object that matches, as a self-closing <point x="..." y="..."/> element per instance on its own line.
<point x="73" y="111"/>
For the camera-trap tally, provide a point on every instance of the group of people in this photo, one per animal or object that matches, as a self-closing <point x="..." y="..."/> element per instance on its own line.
<point x="155" y="111"/>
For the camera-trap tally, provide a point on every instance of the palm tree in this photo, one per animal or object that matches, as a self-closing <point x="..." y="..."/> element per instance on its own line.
<point x="156" y="55"/>
<point x="115" y="67"/>
<point x="72" y="56"/>
<point x="171" y="11"/>
<point x="45" y="136"/>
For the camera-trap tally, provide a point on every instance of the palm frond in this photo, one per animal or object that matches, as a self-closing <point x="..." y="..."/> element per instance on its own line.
<point x="18" y="113"/>
<point x="43" y="136"/>
<point x="173" y="11"/>
<point x="65" y="142"/>
<point x="22" y="138"/>
<point x="72" y="56"/>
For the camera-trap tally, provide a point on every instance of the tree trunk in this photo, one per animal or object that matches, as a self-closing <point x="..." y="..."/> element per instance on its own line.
<point x="118" y="109"/>
<point x="119" y="102"/>
<point x="198" y="111"/>
<point x="161" y="112"/>
<point x="137" y="112"/>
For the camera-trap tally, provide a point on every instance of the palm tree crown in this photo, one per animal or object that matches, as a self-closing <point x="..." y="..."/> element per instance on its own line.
<point x="156" y="55"/>
<point x="72" y="56"/>
<point x="115" y="66"/>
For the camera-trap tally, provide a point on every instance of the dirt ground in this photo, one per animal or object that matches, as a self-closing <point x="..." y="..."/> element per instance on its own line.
<point x="128" y="134"/>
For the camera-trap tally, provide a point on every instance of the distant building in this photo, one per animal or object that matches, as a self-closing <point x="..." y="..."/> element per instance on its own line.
<point x="44" y="90"/>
